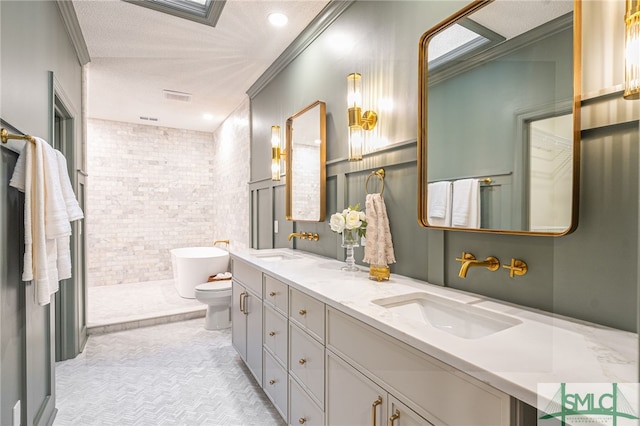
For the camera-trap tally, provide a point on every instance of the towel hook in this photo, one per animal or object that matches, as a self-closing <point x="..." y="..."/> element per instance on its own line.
<point x="380" y="175"/>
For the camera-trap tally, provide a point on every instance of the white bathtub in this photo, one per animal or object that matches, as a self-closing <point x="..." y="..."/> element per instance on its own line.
<point x="193" y="265"/>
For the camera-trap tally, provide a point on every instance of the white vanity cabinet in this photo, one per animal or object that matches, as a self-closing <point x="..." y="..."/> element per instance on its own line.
<point x="276" y="343"/>
<point x="246" y="315"/>
<point x="427" y="387"/>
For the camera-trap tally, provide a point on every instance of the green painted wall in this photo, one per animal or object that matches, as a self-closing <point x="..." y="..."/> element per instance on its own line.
<point x="33" y="42"/>
<point x="591" y="274"/>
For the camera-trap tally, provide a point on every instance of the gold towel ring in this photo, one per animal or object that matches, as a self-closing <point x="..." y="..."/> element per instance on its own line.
<point x="380" y="174"/>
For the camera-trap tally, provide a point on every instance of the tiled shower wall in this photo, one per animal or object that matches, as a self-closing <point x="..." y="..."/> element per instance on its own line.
<point x="151" y="189"/>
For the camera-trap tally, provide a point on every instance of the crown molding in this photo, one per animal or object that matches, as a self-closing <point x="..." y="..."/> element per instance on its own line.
<point x="73" y="29"/>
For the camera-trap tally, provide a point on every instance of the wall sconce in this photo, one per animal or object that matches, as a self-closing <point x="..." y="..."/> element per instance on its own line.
<point x="632" y="50"/>
<point x="358" y="121"/>
<point x="275" y="152"/>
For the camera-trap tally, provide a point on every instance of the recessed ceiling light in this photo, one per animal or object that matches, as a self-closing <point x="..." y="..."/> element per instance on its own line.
<point x="207" y="116"/>
<point x="278" y="19"/>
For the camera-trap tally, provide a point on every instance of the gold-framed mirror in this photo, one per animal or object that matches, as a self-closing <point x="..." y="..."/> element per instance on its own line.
<point x="306" y="159"/>
<point x="499" y="118"/>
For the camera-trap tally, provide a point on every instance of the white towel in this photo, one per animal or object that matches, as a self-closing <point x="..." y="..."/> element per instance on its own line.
<point x="378" y="249"/>
<point x="74" y="212"/>
<point x="49" y="207"/>
<point x="439" y="203"/>
<point x="466" y="204"/>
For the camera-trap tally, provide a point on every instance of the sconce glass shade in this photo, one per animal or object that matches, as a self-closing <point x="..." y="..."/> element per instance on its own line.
<point x="356" y="143"/>
<point x="354" y="91"/>
<point x="632" y="50"/>
<point x="275" y="152"/>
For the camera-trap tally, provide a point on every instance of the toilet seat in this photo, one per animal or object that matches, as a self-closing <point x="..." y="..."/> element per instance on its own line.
<point x="214" y="286"/>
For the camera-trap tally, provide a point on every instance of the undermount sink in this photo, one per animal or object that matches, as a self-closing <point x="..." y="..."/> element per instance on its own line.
<point x="457" y="318"/>
<point x="275" y="256"/>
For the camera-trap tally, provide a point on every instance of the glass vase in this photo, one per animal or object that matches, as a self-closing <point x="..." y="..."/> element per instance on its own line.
<point x="349" y="241"/>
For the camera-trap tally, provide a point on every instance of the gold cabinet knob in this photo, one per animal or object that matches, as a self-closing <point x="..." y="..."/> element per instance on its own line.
<point x="516" y="267"/>
<point x="272" y="382"/>
<point x="302" y="361"/>
<point x="302" y="312"/>
<point x="302" y="420"/>
<point x="272" y="333"/>
<point x="272" y="294"/>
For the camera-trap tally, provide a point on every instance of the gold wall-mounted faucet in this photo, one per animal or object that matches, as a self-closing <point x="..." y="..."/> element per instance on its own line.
<point x="468" y="260"/>
<point x="517" y="267"/>
<point x="221" y="242"/>
<point x="304" y="236"/>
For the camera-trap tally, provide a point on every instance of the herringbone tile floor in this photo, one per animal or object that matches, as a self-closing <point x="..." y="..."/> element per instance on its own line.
<point x="170" y="374"/>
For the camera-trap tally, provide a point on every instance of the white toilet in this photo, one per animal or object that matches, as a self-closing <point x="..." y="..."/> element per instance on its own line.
<point x="217" y="296"/>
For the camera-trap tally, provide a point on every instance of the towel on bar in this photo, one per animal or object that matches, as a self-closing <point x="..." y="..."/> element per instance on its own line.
<point x="466" y="204"/>
<point x="50" y="205"/>
<point x="439" y="203"/>
<point x="378" y="249"/>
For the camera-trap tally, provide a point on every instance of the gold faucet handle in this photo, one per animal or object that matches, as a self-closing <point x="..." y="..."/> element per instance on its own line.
<point x="314" y="237"/>
<point x="465" y="257"/>
<point x="517" y="267"/>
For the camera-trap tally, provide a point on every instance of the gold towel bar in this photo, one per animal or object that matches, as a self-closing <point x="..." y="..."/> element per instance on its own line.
<point x="5" y="136"/>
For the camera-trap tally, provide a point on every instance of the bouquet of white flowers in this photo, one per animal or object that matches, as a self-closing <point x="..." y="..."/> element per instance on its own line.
<point x="351" y="219"/>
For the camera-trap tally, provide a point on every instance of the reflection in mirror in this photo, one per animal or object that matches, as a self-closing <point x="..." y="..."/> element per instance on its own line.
<point x="305" y="156"/>
<point x="498" y="146"/>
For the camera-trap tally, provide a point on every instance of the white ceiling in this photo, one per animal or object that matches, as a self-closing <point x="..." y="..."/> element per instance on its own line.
<point x="137" y="52"/>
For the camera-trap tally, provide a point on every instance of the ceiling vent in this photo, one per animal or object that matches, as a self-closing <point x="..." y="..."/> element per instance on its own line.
<point x="172" y="95"/>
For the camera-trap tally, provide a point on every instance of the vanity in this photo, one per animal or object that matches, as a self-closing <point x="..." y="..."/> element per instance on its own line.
<point x="334" y="348"/>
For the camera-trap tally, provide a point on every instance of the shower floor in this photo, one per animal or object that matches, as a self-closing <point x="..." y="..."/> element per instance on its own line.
<point x="126" y="306"/>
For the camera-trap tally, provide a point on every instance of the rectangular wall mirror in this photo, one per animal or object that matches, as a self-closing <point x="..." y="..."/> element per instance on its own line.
<point x="499" y="118"/>
<point x="306" y="157"/>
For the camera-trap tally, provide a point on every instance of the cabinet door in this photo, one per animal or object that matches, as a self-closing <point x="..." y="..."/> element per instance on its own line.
<point x="238" y="319"/>
<point x="401" y="415"/>
<point x="352" y="399"/>
<point x="253" y="307"/>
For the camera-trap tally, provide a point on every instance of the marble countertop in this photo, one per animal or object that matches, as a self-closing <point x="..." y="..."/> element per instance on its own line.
<point x="542" y="348"/>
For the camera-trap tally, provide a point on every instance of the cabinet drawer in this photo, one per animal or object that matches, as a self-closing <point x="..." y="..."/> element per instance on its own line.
<point x="275" y="384"/>
<point x="307" y="312"/>
<point x="303" y="410"/>
<point x="277" y="294"/>
<point x="276" y="334"/>
<point x="307" y="363"/>
<point x="436" y="390"/>
<point x="247" y="275"/>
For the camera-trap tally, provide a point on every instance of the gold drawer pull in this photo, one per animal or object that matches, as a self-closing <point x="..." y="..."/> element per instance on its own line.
<point x="302" y="361"/>
<point x="272" y="294"/>
<point x="393" y="418"/>
<point x="374" y="412"/>
<point x="272" y="382"/>
<point x="302" y="420"/>
<point x="302" y="312"/>
<point x="272" y="333"/>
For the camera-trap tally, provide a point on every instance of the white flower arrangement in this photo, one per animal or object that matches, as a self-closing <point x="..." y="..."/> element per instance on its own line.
<point x="351" y="218"/>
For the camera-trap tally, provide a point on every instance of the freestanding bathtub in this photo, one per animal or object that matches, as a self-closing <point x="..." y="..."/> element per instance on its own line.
<point x="194" y="265"/>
